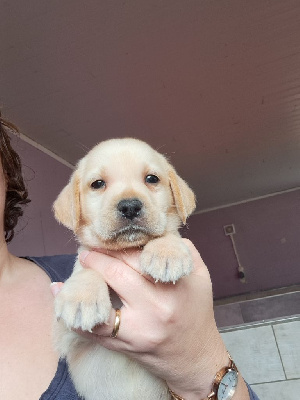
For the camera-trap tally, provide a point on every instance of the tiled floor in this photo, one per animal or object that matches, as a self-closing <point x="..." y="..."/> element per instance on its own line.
<point x="268" y="356"/>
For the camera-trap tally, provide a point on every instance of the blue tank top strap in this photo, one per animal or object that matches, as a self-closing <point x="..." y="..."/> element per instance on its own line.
<point x="58" y="267"/>
<point x="61" y="387"/>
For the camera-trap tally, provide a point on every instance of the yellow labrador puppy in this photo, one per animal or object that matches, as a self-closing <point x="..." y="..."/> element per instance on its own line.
<point x="123" y="194"/>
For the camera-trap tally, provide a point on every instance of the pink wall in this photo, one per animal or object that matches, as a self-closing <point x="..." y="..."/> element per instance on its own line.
<point x="267" y="239"/>
<point x="38" y="232"/>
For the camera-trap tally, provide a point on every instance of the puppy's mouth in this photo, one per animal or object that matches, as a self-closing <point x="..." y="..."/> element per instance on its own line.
<point x="131" y="233"/>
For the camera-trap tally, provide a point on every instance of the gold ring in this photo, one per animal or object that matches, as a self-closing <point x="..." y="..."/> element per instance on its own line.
<point x="115" y="331"/>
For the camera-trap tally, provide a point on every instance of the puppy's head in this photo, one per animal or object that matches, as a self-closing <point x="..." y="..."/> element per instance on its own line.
<point x="122" y="194"/>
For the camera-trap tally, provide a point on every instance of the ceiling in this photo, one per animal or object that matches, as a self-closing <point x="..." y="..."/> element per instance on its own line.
<point x="213" y="84"/>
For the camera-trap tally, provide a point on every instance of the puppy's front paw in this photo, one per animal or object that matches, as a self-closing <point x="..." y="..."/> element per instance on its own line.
<point x="166" y="259"/>
<point x="83" y="301"/>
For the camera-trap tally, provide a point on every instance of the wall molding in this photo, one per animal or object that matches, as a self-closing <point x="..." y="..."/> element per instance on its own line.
<point x="206" y="210"/>
<point x="42" y="149"/>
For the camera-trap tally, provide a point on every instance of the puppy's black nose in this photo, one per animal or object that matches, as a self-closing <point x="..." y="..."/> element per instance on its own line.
<point x="130" y="208"/>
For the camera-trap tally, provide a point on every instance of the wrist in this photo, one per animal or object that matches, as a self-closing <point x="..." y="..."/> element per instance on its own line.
<point x="227" y="383"/>
<point x="240" y="394"/>
<point x="198" y="384"/>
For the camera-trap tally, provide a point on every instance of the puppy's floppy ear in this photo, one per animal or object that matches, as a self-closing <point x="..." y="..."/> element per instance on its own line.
<point x="67" y="205"/>
<point x="183" y="195"/>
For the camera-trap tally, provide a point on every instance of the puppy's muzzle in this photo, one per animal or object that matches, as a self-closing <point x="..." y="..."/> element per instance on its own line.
<point x="130" y="208"/>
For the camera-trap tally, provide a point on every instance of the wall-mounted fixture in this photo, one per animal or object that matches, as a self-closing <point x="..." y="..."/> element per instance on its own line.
<point x="229" y="230"/>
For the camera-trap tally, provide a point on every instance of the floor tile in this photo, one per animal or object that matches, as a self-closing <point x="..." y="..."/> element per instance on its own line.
<point x="287" y="390"/>
<point x="288" y="340"/>
<point x="255" y="353"/>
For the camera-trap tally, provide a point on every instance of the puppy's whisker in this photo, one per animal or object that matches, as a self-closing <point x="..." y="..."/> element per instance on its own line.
<point x="71" y="239"/>
<point x="160" y="147"/>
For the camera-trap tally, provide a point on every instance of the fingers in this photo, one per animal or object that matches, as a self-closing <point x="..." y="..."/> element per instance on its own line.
<point x="128" y="283"/>
<point x="128" y="256"/>
<point x="113" y="324"/>
<point x="121" y="272"/>
<point x="115" y="328"/>
<point x="102" y="334"/>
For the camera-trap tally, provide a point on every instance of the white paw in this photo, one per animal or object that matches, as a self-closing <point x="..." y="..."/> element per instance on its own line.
<point x="82" y="304"/>
<point x="166" y="260"/>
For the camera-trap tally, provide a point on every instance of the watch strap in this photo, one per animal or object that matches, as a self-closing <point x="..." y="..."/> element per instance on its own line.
<point x="176" y="397"/>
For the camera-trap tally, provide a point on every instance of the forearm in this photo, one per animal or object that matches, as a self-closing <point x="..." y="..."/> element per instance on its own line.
<point x="199" y="385"/>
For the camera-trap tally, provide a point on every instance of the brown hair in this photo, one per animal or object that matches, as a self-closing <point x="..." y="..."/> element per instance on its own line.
<point x="16" y="191"/>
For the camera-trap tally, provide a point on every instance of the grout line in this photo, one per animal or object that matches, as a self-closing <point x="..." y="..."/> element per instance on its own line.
<point x="272" y="323"/>
<point x="277" y="381"/>
<point x="279" y="352"/>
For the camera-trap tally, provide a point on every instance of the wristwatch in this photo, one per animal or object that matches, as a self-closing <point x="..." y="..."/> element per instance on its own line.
<point x="224" y="383"/>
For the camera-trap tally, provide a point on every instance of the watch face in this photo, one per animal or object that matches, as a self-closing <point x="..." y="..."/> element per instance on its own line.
<point x="227" y="385"/>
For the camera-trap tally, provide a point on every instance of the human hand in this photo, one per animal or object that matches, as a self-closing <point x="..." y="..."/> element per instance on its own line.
<point x="170" y="329"/>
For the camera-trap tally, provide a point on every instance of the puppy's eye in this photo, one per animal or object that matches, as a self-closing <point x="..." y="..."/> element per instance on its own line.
<point x="99" y="184"/>
<point x="152" y="179"/>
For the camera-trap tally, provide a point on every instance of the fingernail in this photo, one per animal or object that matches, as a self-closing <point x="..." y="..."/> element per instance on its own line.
<point x="83" y="255"/>
<point x="55" y="288"/>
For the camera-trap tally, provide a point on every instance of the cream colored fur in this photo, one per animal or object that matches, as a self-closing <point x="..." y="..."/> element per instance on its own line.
<point x="100" y="374"/>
